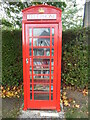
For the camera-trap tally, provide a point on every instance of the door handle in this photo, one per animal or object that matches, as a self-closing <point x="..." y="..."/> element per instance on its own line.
<point x="26" y="60"/>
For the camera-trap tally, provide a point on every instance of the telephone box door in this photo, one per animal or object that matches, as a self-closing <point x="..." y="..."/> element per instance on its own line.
<point x="41" y="65"/>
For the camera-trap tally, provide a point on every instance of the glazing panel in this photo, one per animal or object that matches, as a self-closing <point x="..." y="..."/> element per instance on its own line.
<point x="31" y="80"/>
<point x="51" y="77"/>
<point x="40" y="62"/>
<point x="41" y="96"/>
<point x="41" y="41"/>
<point x="30" y="41"/>
<point x="30" y="32"/>
<point x="41" y="52"/>
<point x="52" y="62"/>
<point x="52" y="31"/>
<point x="40" y="87"/>
<point x="42" y="76"/>
<point x="41" y="71"/>
<point x="30" y="51"/>
<point x="30" y="96"/>
<point x="52" y="72"/>
<point x="51" y="88"/>
<point x="52" y="51"/>
<point x="52" y="41"/>
<point x="51" y="96"/>
<point x="41" y="31"/>
<point x="31" y="87"/>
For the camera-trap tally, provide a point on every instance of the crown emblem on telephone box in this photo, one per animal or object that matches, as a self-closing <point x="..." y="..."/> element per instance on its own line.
<point x="41" y="10"/>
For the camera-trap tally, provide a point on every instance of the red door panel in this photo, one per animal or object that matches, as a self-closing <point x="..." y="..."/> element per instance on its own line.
<point x="41" y="65"/>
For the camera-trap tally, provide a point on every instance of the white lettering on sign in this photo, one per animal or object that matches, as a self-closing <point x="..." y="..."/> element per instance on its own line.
<point x="41" y="16"/>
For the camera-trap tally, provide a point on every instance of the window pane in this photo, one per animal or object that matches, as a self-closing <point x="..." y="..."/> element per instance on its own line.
<point x="52" y="41"/>
<point x="42" y="76"/>
<point x="41" y="96"/>
<point x="41" y="52"/>
<point x="52" y="31"/>
<point x="30" y="41"/>
<point x="52" y="52"/>
<point x="51" y="96"/>
<point x="30" y="96"/>
<point x="30" y="51"/>
<point x="41" y="71"/>
<point x="41" y="62"/>
<point x="40" y="87"/>
<point x="41" y="41"/>
<point x="51" y="88"/>
<point x="41" y="31"/>
<point x="30" y="32"/>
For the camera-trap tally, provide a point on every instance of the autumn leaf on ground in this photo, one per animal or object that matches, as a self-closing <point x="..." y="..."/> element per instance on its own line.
<point x="11" y="92"/>
<point x="85" y="92"/>
<point x="14" y="88"/>
<point x="70" y="100"/>
<point x="8" y="88"/>
<point x="64" y="93"/>
<point x="73" y="101"/>
<point x="64" y="97"/>
<point x="64" y="88"/>
<point x="1" y="88"/>
<point x="67" y="87"/>
<point x="66" y="103"/>
<point x="77" y="106"/>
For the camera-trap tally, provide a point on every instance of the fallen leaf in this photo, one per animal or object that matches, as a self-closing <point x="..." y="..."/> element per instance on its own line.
<point x="70" y="100"/>
<point x="73" y="101"/>
<point x="64" y="97"/>
<point x="77" y="106"/>
<point x="3" y="96"/>
<point x="64" y="88"/>
<point x="64" y="93"/>
<point x="66" y="103"/>
<point x="15" y="93"/>
<point x="4" y="91"/>
<point x="85" y="92"/>
<point x="18" y="96"/>
<point x="61" y="101"/>
<point x="87" y="112"/>
<point x="67" y="87"/>
<point x="73" y="106"/>
<point x="14" y="88"/>
<point x="8" y="88"/>
<point x="1" y="88"/>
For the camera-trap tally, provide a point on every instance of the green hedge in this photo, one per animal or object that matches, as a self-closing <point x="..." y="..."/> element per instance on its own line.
<point x="11" y="57"/>
<point x="74" y="57"/>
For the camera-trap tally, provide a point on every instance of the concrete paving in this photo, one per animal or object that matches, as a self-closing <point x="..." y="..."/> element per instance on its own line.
<point x="42" y="114"/>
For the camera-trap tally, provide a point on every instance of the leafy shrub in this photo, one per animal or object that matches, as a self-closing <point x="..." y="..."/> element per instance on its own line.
<point x="75" y="57"/>
<point x="11" y="57"/>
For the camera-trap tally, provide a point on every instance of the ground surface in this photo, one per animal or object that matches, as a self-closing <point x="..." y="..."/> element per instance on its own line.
<point x="12" y="107"/>
<point x="79" y="99"/>
<point x="41" y="114"/>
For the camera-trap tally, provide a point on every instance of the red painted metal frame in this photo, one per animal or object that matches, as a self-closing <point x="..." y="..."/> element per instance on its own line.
<point x="57" y="24"/>
<point x="44" y="102"/>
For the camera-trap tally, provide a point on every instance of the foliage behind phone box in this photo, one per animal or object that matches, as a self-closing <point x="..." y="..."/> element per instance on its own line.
<point x="74" y="57"/>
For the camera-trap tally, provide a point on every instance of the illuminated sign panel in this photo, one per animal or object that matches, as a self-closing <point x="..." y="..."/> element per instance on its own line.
<point x="41" y="16"/>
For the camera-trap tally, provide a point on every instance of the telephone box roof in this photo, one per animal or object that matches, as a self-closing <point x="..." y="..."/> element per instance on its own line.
<point x="48" y="6"/>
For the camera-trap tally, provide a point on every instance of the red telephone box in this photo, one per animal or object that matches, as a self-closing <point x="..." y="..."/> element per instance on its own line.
<point x="42" y="45"/>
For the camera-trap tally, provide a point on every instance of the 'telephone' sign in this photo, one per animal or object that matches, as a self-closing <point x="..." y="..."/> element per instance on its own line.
<point x="41" y="16"/>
